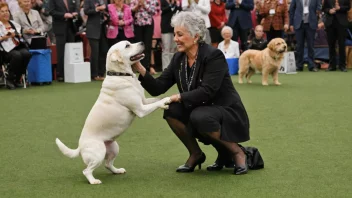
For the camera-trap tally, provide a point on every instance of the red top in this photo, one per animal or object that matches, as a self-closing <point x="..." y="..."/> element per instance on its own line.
<point x="217" y="14"/>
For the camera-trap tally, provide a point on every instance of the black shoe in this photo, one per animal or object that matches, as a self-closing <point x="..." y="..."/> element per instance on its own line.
<point x="299" y="69"/>
<point x="10" y="85"/>
<point x="314" y="69"/>
<point x="188" y="169"/>
<point x="343" y="69"/>
<point x="330" y="69"/>
<point x="241" y="170"/>
<point x="218" y="165"/>
<point x="60" y="79"/>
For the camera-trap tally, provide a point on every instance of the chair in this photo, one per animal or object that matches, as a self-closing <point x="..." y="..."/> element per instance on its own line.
<point x="5" y="67"/>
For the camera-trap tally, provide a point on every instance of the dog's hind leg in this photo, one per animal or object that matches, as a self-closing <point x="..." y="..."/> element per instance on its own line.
<point x="243" y="69"/>
<point x="112" y="149"/>
<point x="93" y="157"/>
<point x="250" y="73"/>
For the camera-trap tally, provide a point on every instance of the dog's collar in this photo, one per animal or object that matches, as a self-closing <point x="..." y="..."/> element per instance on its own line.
<point x="111" y="73"/>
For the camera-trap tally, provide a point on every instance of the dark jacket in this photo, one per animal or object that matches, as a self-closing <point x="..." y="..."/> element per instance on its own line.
<point x="340" y="15"/>
<point x="94" y="25"/>
<point x="211" y="85"/>
<point x="242" y="14"/>
<point x="168" y="10"/>
<point x="57" y="10"/>
<point x="257" y="44"/>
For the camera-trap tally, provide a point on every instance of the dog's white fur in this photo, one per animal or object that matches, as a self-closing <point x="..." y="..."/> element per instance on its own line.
<point x="121" y="99"/>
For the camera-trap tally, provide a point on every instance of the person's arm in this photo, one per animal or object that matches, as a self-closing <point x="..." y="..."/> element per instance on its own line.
<point x="203" y="6"/>
<point x="236" y="50"/>
<point x="41" y="28"/>
<point x="286" y="18"/>
<point x="166" y="6"/>
<point x="89" y="8"/>
<point x="344" y="8"/>
<point x="292" y="11"/>
<point x="157" y="86"/>
<point x="214" y="71"/>
<point x="230" y="4"/>
<point x="325" y="8"/>
<point x="247" y="5"/>
<point x="129" y="19"/>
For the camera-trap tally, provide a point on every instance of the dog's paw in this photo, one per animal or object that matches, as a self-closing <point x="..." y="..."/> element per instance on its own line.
<point x="265" y="84"/>
<point x="249" y="82"/>
<point x="240" y="82"/>
<point x="166" y="100"/>
<point x="120" y="171"/>
<point x="277" y="83"/>
<point x="95" y="181"/>
<point x="166" y="107"/>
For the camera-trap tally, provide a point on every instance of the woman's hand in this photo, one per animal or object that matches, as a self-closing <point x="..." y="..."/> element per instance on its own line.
<point x="139" y="68"/>
<point x="175" y="98"/>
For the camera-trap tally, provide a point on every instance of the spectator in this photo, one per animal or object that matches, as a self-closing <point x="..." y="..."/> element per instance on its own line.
<point x="156" y="38"/>
<point x="229" y="48"/>
<point x="258" y="42"/>
<point x="120" y="25"/>
<point x="30" y="20"/>
<point x="63" y="14"/>
<point x="275" y="18"/>
<point x="218" y="20"/>
<point x="202" y="8"/>
<point x="304" y="22"/>
<point x="42" y="7"/>
<point x="96" y="34"/>
<point x="240" y="20"/>
<point x="14" y="50"/>
<point x="335" y="25"/>
<point x="144" y="11"/>
<point x="168" y="9"/>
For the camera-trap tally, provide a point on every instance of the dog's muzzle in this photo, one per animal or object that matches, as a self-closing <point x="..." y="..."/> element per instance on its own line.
<point x="137" y="57"/>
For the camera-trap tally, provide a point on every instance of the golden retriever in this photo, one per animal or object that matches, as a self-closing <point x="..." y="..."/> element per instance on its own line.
<point x="268" y="61"/>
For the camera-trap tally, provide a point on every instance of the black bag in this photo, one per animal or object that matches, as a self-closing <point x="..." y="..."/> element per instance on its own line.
<point x="38" y="42"/>
<point x="254" y="159"/>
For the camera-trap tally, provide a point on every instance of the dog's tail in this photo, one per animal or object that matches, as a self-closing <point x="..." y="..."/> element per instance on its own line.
<point x="67" y="151"/>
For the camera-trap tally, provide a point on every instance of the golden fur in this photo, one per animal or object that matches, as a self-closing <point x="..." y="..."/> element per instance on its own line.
<point x="268" y="61"/>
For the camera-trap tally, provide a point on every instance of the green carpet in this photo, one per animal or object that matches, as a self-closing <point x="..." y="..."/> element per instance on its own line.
<point x="302" y="129"/>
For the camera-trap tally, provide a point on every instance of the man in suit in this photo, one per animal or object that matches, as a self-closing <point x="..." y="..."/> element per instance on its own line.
<point x="335" y="25"/>
<point x="63" y="13"/>
<point x="304" y="21"/>
<point x="97" y="11"/>
<point x="240" y="19"/>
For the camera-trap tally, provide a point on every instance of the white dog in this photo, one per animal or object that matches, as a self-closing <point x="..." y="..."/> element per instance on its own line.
<point x="121" y="99"/>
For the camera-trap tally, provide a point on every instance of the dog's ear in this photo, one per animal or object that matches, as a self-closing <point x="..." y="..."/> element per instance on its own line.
<point x="116" y="56"/>
<point x="271" y="45"/>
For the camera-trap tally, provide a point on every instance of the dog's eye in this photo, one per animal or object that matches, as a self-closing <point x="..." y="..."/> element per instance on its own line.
<point x="128" y="45"/>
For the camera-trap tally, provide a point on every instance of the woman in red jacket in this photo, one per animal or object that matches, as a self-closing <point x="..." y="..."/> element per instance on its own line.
<point x="218" y="20"/>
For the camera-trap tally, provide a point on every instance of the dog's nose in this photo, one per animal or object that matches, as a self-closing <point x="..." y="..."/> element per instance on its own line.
<point x="141" y="43"/>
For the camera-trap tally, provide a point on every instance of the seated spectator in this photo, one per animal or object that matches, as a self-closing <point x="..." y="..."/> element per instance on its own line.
<point x="14" y="50"/>
<point x="29" y="19"/>
<point x="229" y="47"/>
<point x="41" y="7"/>
<point x="258" y="42"/>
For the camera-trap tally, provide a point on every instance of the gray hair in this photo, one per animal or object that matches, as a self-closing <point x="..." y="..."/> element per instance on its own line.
<point x="194" y="23"/>
<point x="227" y="28"/>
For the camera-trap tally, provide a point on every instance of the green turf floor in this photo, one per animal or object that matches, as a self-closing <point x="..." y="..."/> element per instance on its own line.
<point x="302" y="128"/>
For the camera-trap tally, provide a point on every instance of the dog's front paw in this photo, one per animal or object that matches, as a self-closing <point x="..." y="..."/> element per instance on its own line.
<point x="166" y="100"/>
<point x="120" y="171"/>
<point x="166" y="107"/>
<point x="265" y="84"/>
<point x="277" y="83"/>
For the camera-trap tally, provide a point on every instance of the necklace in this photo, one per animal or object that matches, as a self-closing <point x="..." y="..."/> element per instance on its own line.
<point x="193" y="69"/>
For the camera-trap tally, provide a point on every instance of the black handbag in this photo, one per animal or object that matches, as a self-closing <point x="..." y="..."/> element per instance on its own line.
<point x="254" y="159"/>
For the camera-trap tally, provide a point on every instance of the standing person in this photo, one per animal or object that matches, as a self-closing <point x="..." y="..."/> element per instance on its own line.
<point x="168" y="9"/>
<point x="275" y="18"/>
<point x="208" y="106"/>
<point x="144" y="11"/>
<point x="304" y="21"/>
<point x="120" y="24"/>
<point x="97" y="11"/>
<point x="240" y="20"/>
<point x="218" y="20"/>
<point x="63" y="12"/>
<point x="335" y="25"/>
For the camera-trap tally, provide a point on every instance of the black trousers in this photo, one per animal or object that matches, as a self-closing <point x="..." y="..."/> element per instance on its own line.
<point x="270" y="35"/>
<point x="336" y="32"/>
<point x="19" y="58"/>
<point x="99" y="50"/>
<point x="61" y="40"/>
<point x="120" y="37"/>
<point x="145" y="34"/>
<point x="242" y="34"/>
